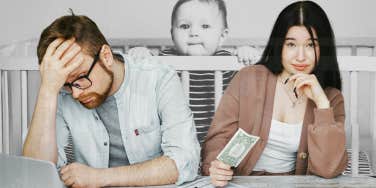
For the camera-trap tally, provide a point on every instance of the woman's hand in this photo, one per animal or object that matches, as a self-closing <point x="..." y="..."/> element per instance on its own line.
<point x="308" y="85"/>
<point x="220" y="173"/>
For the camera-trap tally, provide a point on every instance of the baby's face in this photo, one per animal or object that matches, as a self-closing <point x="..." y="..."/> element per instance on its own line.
<point x="198" y="29"/>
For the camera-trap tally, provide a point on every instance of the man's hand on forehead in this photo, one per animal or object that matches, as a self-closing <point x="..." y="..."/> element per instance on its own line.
<point x="62" y="57"/>
<point x="67" y="50"/>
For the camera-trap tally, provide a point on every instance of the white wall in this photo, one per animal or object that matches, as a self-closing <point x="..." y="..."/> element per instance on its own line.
<point x="25" y="19"/>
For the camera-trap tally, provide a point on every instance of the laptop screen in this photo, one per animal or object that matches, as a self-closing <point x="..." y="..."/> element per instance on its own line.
<point x="17" y="171"/>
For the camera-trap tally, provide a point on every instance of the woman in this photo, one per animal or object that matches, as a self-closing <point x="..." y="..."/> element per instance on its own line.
<point x="291" y="99"/>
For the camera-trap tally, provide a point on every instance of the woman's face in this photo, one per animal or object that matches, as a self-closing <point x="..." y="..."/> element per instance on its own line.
<point x="298" y="51"/>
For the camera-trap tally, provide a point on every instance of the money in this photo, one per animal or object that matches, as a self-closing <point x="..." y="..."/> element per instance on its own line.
<point x="237" y="148"/>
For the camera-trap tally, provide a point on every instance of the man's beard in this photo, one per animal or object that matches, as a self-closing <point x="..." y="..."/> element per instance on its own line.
<point x="98" y="98"/>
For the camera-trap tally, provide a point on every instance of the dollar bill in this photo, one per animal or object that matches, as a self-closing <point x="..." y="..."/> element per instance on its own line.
<point x="237" y="148"/>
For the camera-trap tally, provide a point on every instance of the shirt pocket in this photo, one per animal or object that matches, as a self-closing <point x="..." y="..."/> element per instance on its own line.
<point x="150" y="139"/>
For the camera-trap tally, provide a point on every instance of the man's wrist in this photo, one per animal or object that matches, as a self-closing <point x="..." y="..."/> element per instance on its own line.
<point x="102" y="177"/>
<point x="46" y="91"/>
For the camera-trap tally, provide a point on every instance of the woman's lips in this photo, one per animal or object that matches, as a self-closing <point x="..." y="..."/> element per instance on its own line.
<point x="300" y="67"/>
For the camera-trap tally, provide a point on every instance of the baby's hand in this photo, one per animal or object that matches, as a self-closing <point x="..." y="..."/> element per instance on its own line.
<point x="247" y="55"/>
<point x="139" y="52"/>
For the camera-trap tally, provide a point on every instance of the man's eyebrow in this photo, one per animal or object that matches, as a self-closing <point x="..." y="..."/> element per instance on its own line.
<point x="77" y="75"/>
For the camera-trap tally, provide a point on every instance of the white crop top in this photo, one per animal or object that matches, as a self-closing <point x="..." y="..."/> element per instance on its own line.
<point x="279" y="155"/>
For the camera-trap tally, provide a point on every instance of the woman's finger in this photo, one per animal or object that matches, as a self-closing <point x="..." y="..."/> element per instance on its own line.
<point x="218" y="171"/>
<point x="304" y="83"/>
<point x="220" y="164"/>
<point x="221" y="177"/>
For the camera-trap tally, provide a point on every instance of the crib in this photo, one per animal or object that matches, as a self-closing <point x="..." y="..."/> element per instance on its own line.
<point x="19" y="83"/>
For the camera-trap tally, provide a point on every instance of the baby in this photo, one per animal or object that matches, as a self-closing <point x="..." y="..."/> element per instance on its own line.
<point x="199" y="28"/>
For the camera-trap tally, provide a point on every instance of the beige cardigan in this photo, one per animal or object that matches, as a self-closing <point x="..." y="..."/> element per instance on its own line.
<point x="248" y="104"/>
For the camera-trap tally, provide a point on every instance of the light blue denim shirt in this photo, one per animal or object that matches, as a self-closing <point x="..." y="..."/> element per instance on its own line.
<point x="154" y="118"/>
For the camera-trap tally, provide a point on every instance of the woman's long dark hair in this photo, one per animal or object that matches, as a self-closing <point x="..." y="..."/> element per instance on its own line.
<point x="312" y="17"/>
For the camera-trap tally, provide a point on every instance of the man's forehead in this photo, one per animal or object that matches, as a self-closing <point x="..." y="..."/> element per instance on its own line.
<point x="79" y="70"/>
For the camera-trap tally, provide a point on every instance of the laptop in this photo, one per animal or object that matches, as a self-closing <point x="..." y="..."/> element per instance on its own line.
<point x="19" y="172"/>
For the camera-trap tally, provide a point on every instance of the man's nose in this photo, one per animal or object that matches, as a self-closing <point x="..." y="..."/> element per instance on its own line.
<point x="76" y="92"/>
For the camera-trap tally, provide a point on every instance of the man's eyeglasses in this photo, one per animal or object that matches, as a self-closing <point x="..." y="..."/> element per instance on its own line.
<point x="82" y="82"/>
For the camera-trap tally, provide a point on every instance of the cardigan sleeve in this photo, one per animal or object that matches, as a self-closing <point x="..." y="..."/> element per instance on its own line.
<point x="326" y="138"/>
<point x="223" y="126"/>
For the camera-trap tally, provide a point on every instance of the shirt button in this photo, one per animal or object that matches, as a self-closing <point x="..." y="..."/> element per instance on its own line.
<point x="96" y="117"/>
<point x="105" y="143"/>
<point x="303" y="155"/>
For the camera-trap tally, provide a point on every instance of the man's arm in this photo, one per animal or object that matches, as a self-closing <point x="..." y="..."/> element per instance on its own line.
<point x="41" y="139"/>
<point x="158" y="171"/>
<point x="162" y="169"/>
<point x="55" y="67"/>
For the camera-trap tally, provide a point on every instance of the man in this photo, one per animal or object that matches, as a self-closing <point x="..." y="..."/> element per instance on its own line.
<point x="129" y="122"/>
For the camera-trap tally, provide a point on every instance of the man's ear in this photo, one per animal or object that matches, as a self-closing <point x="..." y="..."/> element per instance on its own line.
<point x="224" y="36"/>
<point x="106" y="56"/>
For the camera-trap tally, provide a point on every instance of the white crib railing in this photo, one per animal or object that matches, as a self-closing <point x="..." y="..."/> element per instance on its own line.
<point x="349" y="46"/>
<point x="345" y="46"/>
<point x="12" y="133"/>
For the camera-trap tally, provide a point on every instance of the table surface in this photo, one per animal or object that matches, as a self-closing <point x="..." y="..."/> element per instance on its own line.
<point x="284" y="182"/>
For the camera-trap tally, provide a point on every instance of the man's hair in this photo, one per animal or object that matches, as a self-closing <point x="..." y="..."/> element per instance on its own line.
<point x="82" y="28"/>
<point x="220" y="3"/>
<point x="311" y="16"/>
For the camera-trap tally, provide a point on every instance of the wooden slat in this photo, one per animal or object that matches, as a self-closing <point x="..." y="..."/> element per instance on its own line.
<point x="5" y="107"/>
<point x="185" y="83"/>
<point x="373" y="125"/>
<point x="354" y="123"/>
<point x="218" y="87"/>
<point x="372" y="102"/>
<point x="1" y="112"/>
<point x="353" y="50"/>
<point x="373" y="150"/>
<point x="23" y="105"/>
<point x="346" y="95"/>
